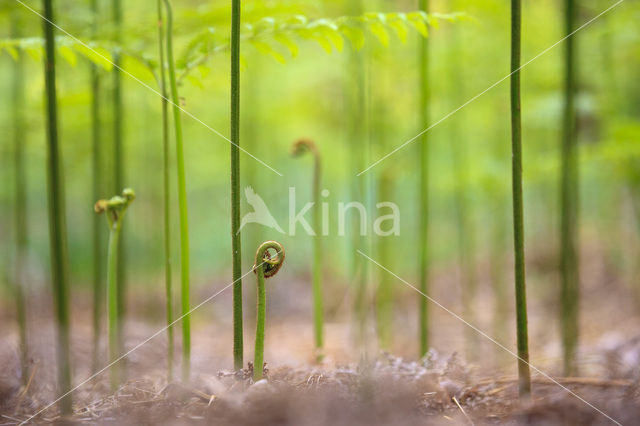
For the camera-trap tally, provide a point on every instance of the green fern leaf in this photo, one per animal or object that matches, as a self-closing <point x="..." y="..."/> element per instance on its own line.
<point x="267" y="49"/>
<point x="68" y="54"/>
<point x="286" y="41"/>
<point x="97" y="55"/>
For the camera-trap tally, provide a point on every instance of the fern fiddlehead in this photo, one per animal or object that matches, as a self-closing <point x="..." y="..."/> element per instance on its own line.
<point x="266" y="266"/>
<point x="114" y="209"/>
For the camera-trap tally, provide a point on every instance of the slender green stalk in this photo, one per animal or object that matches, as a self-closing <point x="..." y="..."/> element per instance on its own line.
<point x="385" y="290"/>
<point x="569" y="204"/>
<point x="299" y="148"/>
<point x="464" y="228"/>
<point x="118" y="157"/>
<point x="236" y="241"/>
<point x="96" y="166"/>
<point x="20" y="210"/>
<point x="57" y="223"/>
<point x="182" y="202"/>
<point x="524" y="375"/>
<point x="358" y="143"/>
<point x="166" y="196"/>
<point x="115" y="209"/>
<point x="423" y="188"/>
<point x="112" y="303"/>
<point x="265" y="266"/>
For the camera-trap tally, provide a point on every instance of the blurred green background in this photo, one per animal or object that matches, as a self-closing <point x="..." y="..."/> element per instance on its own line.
<point x="308" y="96"/>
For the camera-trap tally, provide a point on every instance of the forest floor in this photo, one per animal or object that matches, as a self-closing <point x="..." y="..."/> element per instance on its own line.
<point x="466" y="379"/>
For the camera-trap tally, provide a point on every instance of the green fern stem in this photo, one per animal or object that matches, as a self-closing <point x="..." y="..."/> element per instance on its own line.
<point x="384" y="299"/>
<point x="298" y="149"/>
<point x="112" y="302"/>
<point x="165" y="190"/>
<point x="182" y="202"/>
<point x="20" y="200"/>
<point x="569" y="204"/>
<point x="423" y="185"/>
<point x="356" y="90"/>
<point x="464" y="225"/>
<point x="57" y="222"/>
<point x="98" y="274"/>
<point x="266" y="265"/>
<point x="118" y="157"/>
<point x="236" y="246"/>
<point x="524" y="374"/>
<point x="114" y="209"/>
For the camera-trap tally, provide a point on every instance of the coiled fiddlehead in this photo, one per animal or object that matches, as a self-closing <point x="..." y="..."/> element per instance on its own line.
<point x="298" y="149"/>
<point x="115" y="209"/>
<point x="266" y="265"/>
<point x="115" y="206"/>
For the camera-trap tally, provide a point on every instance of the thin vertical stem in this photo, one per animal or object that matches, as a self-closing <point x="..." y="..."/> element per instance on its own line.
<point x="20" y="211"/>
<point x="358" y="146"/>
<point x="57" y="223"/>
<point x="182" y="201"/>
<point x="385" y="291"/>
<point x="266" y="265"/>
<point x="299" y="148"/>
<point x="524" y="383"/>
<point x="117" y="100"/>
<point x="96" y="166"/>
<point x="236" y="249"/>
<point x="569" y="204"/>
<point x="318" y="308"/>
<point x="464" y="228"/>
<point x="258" y="357"/>
<point x="112" y="303"/>
<point x="168" y="285"/>
<point x="115" y="209"/>
<point x="118" y="158"/>
<point x="423" y="188"/>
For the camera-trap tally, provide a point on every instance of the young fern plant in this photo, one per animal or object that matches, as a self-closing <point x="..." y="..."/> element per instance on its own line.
<point x="569" y="211"/>
<point x="236" y="246"/>
<point x="356" y="89"/>
<point x="56" y="209"/>
<point x="118" y="150"/>
<point x="524" y="374"/>
<point x="423" y="185"/>
<point x="182" y="202"/>
<point x="269" y="260"/>
<point x="165" y="190"/>
<point x="114" y="209"/>
<point x="300" y="148"/>
<point x="96" y="160"/>
<point x="20" y="209"/>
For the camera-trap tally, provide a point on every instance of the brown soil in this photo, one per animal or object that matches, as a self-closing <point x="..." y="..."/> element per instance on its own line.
<point x="455" y="385"/>
<point x="392" y="391"/>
